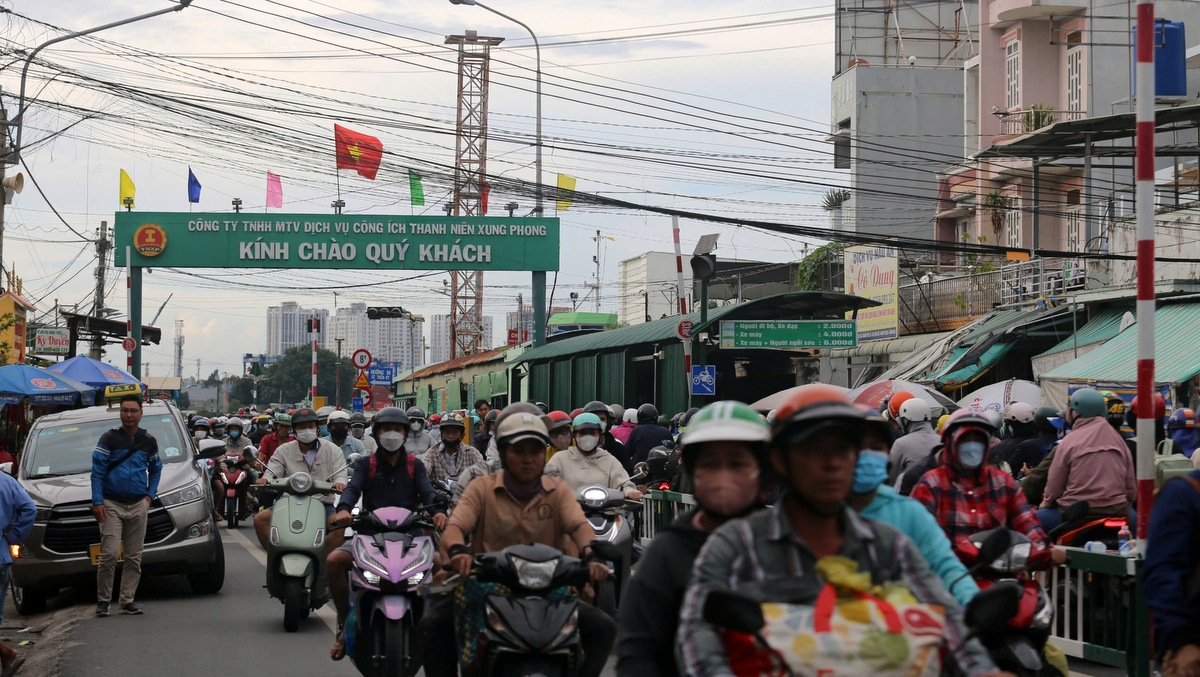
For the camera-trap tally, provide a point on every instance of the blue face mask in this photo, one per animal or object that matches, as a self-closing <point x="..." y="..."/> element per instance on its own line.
<point x="324" y="431"/>
<point x="234" y="434"/>
<point x="970" y="454"/>
<point x="870" y="471"/>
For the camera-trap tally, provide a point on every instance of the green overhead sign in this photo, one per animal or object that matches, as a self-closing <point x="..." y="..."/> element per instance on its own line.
<point x="778" y="334"/>
<point x="359" y="241"/>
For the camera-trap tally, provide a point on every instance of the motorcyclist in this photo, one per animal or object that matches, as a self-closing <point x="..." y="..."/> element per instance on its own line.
<point x="323" y="420"/>
<point x="1034" y="450"/>
<point x="390" y="485"/>
<point x="721" y="450"/>
<point x="560" y="433"/>
<point x="419" y="441"/>
<point x="484" y="438"/>
<point x="628" y="423"/>
<point x="967" y="496"/>
<point x="1173" y="542"/>
<point x="918" y="440"/>
<point x="358" y="428"/>
<point x="218" y="427"/>
<point x="236" y="444"/>
<point x="647" y="435"/>
<point x="312" y="454"/>
<point x="259" y="429"/>
<point x="815" y="440"/>
<point x="491" y="514"/>
<point x="339" y="434"/>
<point x="271" y="441"/>
<point x="1091" y="464"/>
<point x="449" y="457"/>
<point x="1018" y="429"/>
<point x="607" y="441"/>
<point x="1181" y="428"/>
<point x="872" y="498"/>
<point x="201" y="429"/>
<point x="585" y="462"/>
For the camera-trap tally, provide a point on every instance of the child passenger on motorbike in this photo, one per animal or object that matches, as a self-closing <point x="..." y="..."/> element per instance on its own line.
<point x="497" y="511"/>
<point x="390" y="485"/>
<point x="721" y="451"/>
<point x="815" y="440"/>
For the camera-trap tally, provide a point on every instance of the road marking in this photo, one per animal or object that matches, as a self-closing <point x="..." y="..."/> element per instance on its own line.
<point x="325" y="613"/>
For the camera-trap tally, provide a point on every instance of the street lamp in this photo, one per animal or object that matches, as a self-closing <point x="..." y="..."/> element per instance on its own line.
<point x="19" y="121"/>
<point x="539" y="276"/>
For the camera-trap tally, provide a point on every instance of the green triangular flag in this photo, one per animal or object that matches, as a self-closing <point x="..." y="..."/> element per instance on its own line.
<point x="415" y="190"/>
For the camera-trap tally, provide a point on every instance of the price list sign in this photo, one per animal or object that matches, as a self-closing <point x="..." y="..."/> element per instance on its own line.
<point x="781" y="335"/>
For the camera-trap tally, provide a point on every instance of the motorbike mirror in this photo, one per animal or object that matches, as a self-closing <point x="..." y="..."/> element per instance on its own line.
<point x="641" y="468"/>
<point x="1076" y="512"/>
<point x="994" y="546"/>
<point x="729" y="610"/>
<point x="605" y="550"/>
<point x="990" y="610"/>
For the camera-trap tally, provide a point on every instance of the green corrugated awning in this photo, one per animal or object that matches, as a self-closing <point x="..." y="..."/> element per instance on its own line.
<point x="1175" y="356"/>
<point x="1102" y="326"/>
<point x="966" y="375"/>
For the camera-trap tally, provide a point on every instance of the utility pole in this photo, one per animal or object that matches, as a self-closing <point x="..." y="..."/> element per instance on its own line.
<point x="102" y="247"/>
<point x="337" y="370"/>
<point x="4" y="152"/>
<point x="520" y="318"/>
<point x="596" y="259"/>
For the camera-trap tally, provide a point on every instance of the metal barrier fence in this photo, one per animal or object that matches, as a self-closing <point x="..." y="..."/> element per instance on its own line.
<point x="1100" y="611"/>
<point x="660" y="508"/>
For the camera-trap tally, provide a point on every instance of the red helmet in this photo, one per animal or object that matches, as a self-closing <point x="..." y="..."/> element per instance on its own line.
<point x="575" y="413"/>
<point x="1160" y="407"/>
<point x="558" y="419"/>
<point x="811" y="408"/>
<point x="897" y="400"/>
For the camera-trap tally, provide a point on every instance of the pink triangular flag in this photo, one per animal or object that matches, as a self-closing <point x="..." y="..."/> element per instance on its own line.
<point x="274" y="190"/>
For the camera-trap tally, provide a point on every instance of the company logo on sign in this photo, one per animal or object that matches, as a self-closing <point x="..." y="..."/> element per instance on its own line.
<point x="150" y="239"/>
<point x="43" y="383"/>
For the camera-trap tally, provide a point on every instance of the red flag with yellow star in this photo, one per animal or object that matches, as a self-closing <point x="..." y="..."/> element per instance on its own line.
<point x="359" y="152"/>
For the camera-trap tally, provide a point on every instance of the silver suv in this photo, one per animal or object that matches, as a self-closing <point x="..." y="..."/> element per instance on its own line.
<point x="63" y="548"/>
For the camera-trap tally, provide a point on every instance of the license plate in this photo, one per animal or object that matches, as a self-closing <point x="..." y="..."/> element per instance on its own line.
<point x="94" y="552"/>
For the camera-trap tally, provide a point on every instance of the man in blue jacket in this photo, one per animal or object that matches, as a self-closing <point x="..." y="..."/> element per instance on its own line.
<point x="16" y="519"/>
<point x="125" y="473"/>
<point x="1172" y="554"/>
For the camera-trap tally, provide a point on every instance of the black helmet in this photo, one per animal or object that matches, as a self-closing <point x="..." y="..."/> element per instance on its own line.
<point x="1041" y="419"/>
<point x="302" y="416"/>
<point x="389" y="415"/>
<point x="491" y="416"/>
<point x="659" y="461"/>
<point x="413" y="413"/>
<point x="687" y="416"/>
<point x="598" y="408"/>
<point x="542" y="405"/>
<point x="647" y="413"/>
<point x="452" y="421"/>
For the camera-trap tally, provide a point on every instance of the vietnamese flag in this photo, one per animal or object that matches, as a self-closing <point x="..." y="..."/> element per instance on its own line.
<point x="356" y="151"/>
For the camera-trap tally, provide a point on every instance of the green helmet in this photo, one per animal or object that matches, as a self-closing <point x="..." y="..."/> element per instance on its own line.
<point x="1087" y="403"/>
<point x="586" y="421"/>
<point x="283" y="419"/>
<point x="357" y="418"/>
<point x="726" y="421"/>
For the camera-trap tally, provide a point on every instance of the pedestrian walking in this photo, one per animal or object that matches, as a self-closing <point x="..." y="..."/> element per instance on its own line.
<point x="125" y="473"/>
<point x="16" y="515"/>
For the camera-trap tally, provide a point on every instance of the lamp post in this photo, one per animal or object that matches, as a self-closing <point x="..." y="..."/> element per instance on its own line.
<point x="539" y="276"/>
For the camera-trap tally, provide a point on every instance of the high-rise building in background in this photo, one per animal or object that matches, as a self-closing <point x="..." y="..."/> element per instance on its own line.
<point x="525" y="318"/>
<point x="287" y="326"/>
<point x="439" y="337"/>
<point x="390" y="341"/>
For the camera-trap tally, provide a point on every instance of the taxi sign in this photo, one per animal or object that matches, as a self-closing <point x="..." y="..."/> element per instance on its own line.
<point x="119" y="391"/>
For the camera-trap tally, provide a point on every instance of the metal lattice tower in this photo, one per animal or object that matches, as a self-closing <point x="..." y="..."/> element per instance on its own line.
<point x="470" y="186"/>
<point x="179" y="348"/>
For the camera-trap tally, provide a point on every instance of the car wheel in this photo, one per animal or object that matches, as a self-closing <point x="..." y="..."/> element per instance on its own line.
<point x="29" y="600"/>
<point x="210" y="581"/>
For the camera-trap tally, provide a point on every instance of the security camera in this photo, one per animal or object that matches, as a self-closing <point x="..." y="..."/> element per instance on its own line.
<point x="912" y="60"/>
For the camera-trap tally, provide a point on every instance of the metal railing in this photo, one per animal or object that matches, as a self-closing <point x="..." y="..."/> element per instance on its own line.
<point x="1028" y="120"/>
<point x="660" y="508"/>
<point x="1031" y="281"/>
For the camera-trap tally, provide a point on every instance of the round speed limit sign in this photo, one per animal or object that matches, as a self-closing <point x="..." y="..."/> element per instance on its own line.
<point x="361" y="358"/>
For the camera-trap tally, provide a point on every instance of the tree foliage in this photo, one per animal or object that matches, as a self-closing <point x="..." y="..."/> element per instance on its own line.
<point x="213" y="380"/>
<point x="816" y="269"/>
<point x="292" y="375"/>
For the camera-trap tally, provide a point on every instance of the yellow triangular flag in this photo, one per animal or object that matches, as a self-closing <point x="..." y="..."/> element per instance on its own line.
<point x="564" y="183"/>
<point x="127" y="190"/>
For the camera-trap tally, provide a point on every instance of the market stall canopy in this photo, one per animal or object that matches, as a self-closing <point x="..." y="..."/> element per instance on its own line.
<point x="19" y="381"/>
<point x="999" y="395"/>
<point x="92" y="372"/>
<point x="873" y="395"/>
<point x="773" y="401"/>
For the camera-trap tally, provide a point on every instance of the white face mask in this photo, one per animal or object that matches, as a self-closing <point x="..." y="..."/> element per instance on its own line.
<point x="201" y="434"/>
<point x="391" y="440"/>
<point x="416" y="426"/>
<point x="307" y="436"/>
<point x="587" y="443"/>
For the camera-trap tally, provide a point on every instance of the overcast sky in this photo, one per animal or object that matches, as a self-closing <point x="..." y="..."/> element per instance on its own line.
<point x="713" y="107"/>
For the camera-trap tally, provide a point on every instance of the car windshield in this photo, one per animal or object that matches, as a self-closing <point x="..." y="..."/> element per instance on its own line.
<point x="66" y="449"/>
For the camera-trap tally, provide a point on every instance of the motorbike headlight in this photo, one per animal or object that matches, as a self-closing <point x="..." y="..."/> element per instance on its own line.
<point x="1016" y="559"/>
<point x="192" y="492"/>
<point x="365" y="558"/>
<point x="371" y="577"/>
<point x="594" y="496"/>
<point x="533" y="575"/>
<point x="423" y="559"/>
<point x="300" y="482"/>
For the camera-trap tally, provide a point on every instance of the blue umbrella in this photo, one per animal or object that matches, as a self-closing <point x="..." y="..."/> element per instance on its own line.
<point x="18" y="381"/>
<point x="92" y="372"/>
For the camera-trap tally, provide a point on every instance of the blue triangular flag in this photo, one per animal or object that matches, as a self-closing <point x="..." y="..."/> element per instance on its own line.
<point x="193" y="187"/>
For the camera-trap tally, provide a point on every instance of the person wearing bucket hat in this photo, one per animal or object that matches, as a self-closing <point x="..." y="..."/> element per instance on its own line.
<point x="721" y="450"/>
<point x="495" y="512"/>
<point x="815" y="439"/>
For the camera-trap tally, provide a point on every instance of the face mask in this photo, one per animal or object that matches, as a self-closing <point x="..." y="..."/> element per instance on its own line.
<point x="603" y="427"/>
<point x="970" y="454"/>
<point x="234" y="434"/>
<point x="307" y="436"/>
<point x="201" y="434"/>
<point x="726" y="493"/>
<point x="391" y="440"/>
<point x="324" y="431"/>
<point x="339" y="435"/>
<point x="357" y="432"/>
<point x="587" y="443"/>
<point x="416" y="426"/>
<point x="870" y="471"/>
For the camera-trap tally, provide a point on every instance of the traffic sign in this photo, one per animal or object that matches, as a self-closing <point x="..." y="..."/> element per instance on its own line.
<point x="361" y="358"/>
<point x="684" y="329"/>
<point x="361" y="383"/>
<point x="129" y="344"/>
<point x="356" y="404"/>
<point x="381" y="376"/>
<point x="704" y="379"/>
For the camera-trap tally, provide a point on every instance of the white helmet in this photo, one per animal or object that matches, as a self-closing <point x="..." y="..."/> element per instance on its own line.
<point x="1020" y="412"/>
<point x="339" y="416"/>
<point x="912" y="410"/>
<point x="235" y="421"/>
<point x="221" y="422"/>
<point x="630" y="416"/>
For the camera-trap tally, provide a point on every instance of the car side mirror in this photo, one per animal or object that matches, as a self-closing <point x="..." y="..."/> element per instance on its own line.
<point x="990" y="610"/>
<point x="210" y="449"/>
<point x="729" y="610"/>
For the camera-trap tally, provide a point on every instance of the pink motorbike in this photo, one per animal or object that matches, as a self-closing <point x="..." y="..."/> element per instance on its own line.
<point x="391" y="558"/>
<point x="235" y="473"/>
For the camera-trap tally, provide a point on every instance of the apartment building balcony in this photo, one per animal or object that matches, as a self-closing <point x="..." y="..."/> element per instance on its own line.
<point x="1001" y="13"/>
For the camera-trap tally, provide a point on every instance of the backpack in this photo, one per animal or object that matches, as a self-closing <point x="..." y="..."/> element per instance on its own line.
<point x="1169" y="464"/>
<point x="412" y="465"/>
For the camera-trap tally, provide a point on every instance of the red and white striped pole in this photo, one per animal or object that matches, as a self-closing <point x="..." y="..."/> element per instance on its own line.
<point x="687" y="343"/>
<point x="313" y="329"/>
<point x="129" y="300"/>
<point x="1145" y="268"/>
